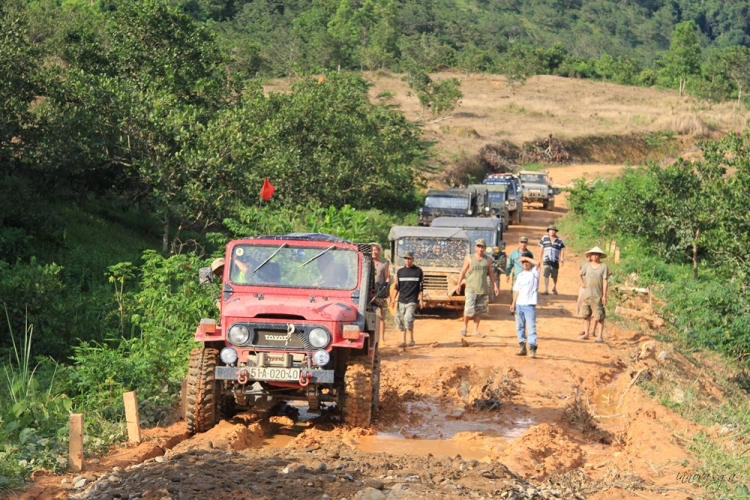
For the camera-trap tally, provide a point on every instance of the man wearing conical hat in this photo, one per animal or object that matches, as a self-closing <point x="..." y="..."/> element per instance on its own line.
<point x="594" y="277"/>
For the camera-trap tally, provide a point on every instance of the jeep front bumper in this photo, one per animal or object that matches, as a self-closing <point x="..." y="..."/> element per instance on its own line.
<point x="250" y="374"/>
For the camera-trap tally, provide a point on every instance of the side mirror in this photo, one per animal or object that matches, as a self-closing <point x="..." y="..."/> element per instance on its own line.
<point x="205" y="276"/>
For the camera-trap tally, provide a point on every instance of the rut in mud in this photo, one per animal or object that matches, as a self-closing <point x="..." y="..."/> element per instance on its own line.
<point x="459" y="417"/>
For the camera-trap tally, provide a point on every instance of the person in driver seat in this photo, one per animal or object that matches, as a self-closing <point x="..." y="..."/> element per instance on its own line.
<point x="332" y="276"/>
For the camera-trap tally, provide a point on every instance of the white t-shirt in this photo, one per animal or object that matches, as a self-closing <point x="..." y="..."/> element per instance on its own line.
<point x="527" y="285"/>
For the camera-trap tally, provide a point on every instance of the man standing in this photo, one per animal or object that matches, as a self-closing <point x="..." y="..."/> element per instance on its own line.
<point x="476" y="269"/>
<point x="382" y="275"/>
<point x="514" y="264"/>
<point x="553" y="257"/>
<point x="594" y="276"/>
<point x="409" y="288"/>
<point x="524" y="305"/>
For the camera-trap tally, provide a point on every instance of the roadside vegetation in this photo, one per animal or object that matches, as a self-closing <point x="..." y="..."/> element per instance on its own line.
<point x="683" y="233"/>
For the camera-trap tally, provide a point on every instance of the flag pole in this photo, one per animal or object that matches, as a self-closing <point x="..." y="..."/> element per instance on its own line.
<point x="260" y="204"/>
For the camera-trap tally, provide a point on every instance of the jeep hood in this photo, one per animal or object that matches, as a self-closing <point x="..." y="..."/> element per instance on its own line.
<point x="334" y="309"/>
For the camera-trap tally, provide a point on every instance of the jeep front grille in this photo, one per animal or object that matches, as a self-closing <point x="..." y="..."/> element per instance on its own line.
<point x="278" y="339"/>
<point x="435" y="282"/>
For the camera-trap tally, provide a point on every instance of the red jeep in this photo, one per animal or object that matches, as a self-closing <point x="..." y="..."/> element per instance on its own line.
<point x="297" y="323"/>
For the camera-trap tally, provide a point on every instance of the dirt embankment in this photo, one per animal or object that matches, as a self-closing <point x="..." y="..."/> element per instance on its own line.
<point x="459" y="418"/>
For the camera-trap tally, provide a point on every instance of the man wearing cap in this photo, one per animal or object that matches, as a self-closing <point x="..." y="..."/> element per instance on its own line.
<point x="409" y="288"/>
<point x="476" y="269"/>
<point x="524" y="305"/>
<point x="514" y="263"/>
<point x="594" y="276"/>
<point x="553" y="256"/>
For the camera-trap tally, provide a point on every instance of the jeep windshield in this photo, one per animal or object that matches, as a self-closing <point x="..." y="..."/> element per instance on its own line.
<point x="534" y="178"/>
<point x="458" y="202"/>
<point x="486" y="234"/>
<point x="335" y="269"/>
<point x="433" y="252"/>
<point x="496" y="197"/>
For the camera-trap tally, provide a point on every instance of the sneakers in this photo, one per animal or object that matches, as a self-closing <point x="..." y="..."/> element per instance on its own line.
<point x="532" y="353"/>
<point x="522" y="350"/>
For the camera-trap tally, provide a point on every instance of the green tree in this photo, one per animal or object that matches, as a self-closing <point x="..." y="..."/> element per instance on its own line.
<point x="383" y="42"/>
<point x="470" y="59"/>
<point x="736" y="62"/>
<point x="517" y="65"/>
<point x="343" y="34"/>
<point x="682" y="60"/>
<point x="438" y="98"/>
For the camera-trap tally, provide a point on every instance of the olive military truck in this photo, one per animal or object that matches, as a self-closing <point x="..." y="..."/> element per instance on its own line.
<point x="513" y="194"/>
<point x="490" y="229"/>
<point x="440" y="252"/>
<point x="296" y="323"/>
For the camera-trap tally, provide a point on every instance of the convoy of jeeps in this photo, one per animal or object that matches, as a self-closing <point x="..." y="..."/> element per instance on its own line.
<point x="297" y="312"/>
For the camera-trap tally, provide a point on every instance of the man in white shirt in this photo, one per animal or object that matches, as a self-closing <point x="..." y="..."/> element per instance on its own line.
<point x="525" y="292"/>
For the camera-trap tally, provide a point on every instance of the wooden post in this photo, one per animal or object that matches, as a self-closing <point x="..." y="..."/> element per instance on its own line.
<point x="183" y="399"/>
<point x="617" y="255"/>
<point x="131" y="416"/>
<point x="612" y="246"/>
<point x="75" y="443"/>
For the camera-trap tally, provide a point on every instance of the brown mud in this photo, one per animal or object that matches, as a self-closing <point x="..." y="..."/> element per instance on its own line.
<point x="454" y="415"/>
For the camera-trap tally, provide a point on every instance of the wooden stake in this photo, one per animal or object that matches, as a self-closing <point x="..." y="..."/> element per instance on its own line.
<point x="183" y="395"/>
<point x="75" y="443"/>
<point x="612" y="246"/>
<point x="131" y="416"/>
<point x="617" y="255"/>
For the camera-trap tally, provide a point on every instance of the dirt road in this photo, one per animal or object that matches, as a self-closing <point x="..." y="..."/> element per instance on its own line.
<point x="454" y="415"/>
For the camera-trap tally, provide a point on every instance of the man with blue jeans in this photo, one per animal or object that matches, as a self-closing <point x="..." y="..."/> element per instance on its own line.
<point x="525" y="292"/>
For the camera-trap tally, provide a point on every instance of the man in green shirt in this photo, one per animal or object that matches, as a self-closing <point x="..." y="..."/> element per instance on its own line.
<point x="594" y="276"/>
<point x="514" y="262"/>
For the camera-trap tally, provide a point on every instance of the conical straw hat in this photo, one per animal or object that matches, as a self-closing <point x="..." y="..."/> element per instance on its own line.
<point x="597" y="250"/>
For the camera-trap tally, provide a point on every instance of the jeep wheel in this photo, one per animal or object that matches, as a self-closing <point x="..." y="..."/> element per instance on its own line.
<point x="355" y="401"/>
<point x="550" y="205"/>
<point x="514" y="217"/>
<point x="201" y="413"/>
<point x="376" y="381"/>
<point x="545" y="203"/>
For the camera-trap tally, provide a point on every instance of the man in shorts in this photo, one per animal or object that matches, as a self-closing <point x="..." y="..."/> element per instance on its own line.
<point x="409" y="288"/>
<point x="476" y="269"/>
<point x="524" y="306"/>
<point x="382" y="275"/>
<point x="594" y="276"/>
<point x="553" y="256"/>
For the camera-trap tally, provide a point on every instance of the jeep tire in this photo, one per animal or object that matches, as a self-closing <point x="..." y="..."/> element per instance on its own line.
<point x="202" y="390"/>
<point x="550" y="205"/>
<point x="356" y="398"/>
<point x="376" y="381"/>
<point x="514" y="219"/>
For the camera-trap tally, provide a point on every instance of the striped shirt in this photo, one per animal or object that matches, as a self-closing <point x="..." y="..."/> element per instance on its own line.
<point x="409" y="283"/>
<point x="552" y="249"/>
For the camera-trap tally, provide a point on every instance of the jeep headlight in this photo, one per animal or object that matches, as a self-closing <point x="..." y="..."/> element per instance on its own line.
<point x="486" y="209"/>
<point x="470" y="212"/>
<point x="228" y="355"/>
<point x="321" y="358"/>
<point x="319" y="337"/>
<point x="238" y="334"/>
<point x="496" y="250"/>
<point x="421" y="209"/>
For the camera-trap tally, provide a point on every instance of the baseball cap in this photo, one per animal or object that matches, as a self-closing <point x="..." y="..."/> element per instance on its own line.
<point x="523" y="239"/>
<point x="408" y="255"/>
<point x="481" y="242"/>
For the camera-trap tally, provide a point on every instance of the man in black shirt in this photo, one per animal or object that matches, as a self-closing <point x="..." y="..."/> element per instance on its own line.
<point x="409" y="287"/>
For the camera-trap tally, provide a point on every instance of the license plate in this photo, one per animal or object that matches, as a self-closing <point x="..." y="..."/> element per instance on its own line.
<point x="270" y="373"/>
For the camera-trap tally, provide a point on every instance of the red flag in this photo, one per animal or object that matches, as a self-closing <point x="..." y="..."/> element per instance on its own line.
<point x="267" y="190"/>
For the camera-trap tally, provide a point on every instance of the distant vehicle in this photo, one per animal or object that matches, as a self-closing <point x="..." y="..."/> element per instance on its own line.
<point x="492" y="201"/>
<point x="514" y="194"/>
<point x="454" y="202"/>
<point x="440" y="252"/>
<point x="488" y="228"/>
<point x="537" y="189"/>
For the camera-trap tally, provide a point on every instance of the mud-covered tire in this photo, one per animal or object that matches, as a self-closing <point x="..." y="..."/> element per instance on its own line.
<point x="356" y="398"/>
<point x="514" y="217"/>
<point x="550" y="206"/>
<point x="545" y="204"/>
<point x="202" y="390"/>
<point x="376" y="381"/>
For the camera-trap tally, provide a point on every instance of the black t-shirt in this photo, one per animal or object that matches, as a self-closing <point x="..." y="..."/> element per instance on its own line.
<point x="409" y="282"/>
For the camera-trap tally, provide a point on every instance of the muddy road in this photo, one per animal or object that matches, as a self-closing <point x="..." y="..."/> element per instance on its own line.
<point x="458" y="418"/>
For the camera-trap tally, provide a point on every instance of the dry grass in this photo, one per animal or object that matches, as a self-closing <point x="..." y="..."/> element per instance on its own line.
<point x="566" y="107"/>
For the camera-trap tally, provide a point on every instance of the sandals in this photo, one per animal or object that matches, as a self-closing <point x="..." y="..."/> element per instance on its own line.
<point x="480" y="335"/>
<point x="412" y="343"/>
<point x="599" y="340"/>
<point x="583" y="336"/>
<point x="545" y="293"/>
<point x="554" y="291"/>
<point x="401" y="344"/>
<point x="463" y="333"/>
